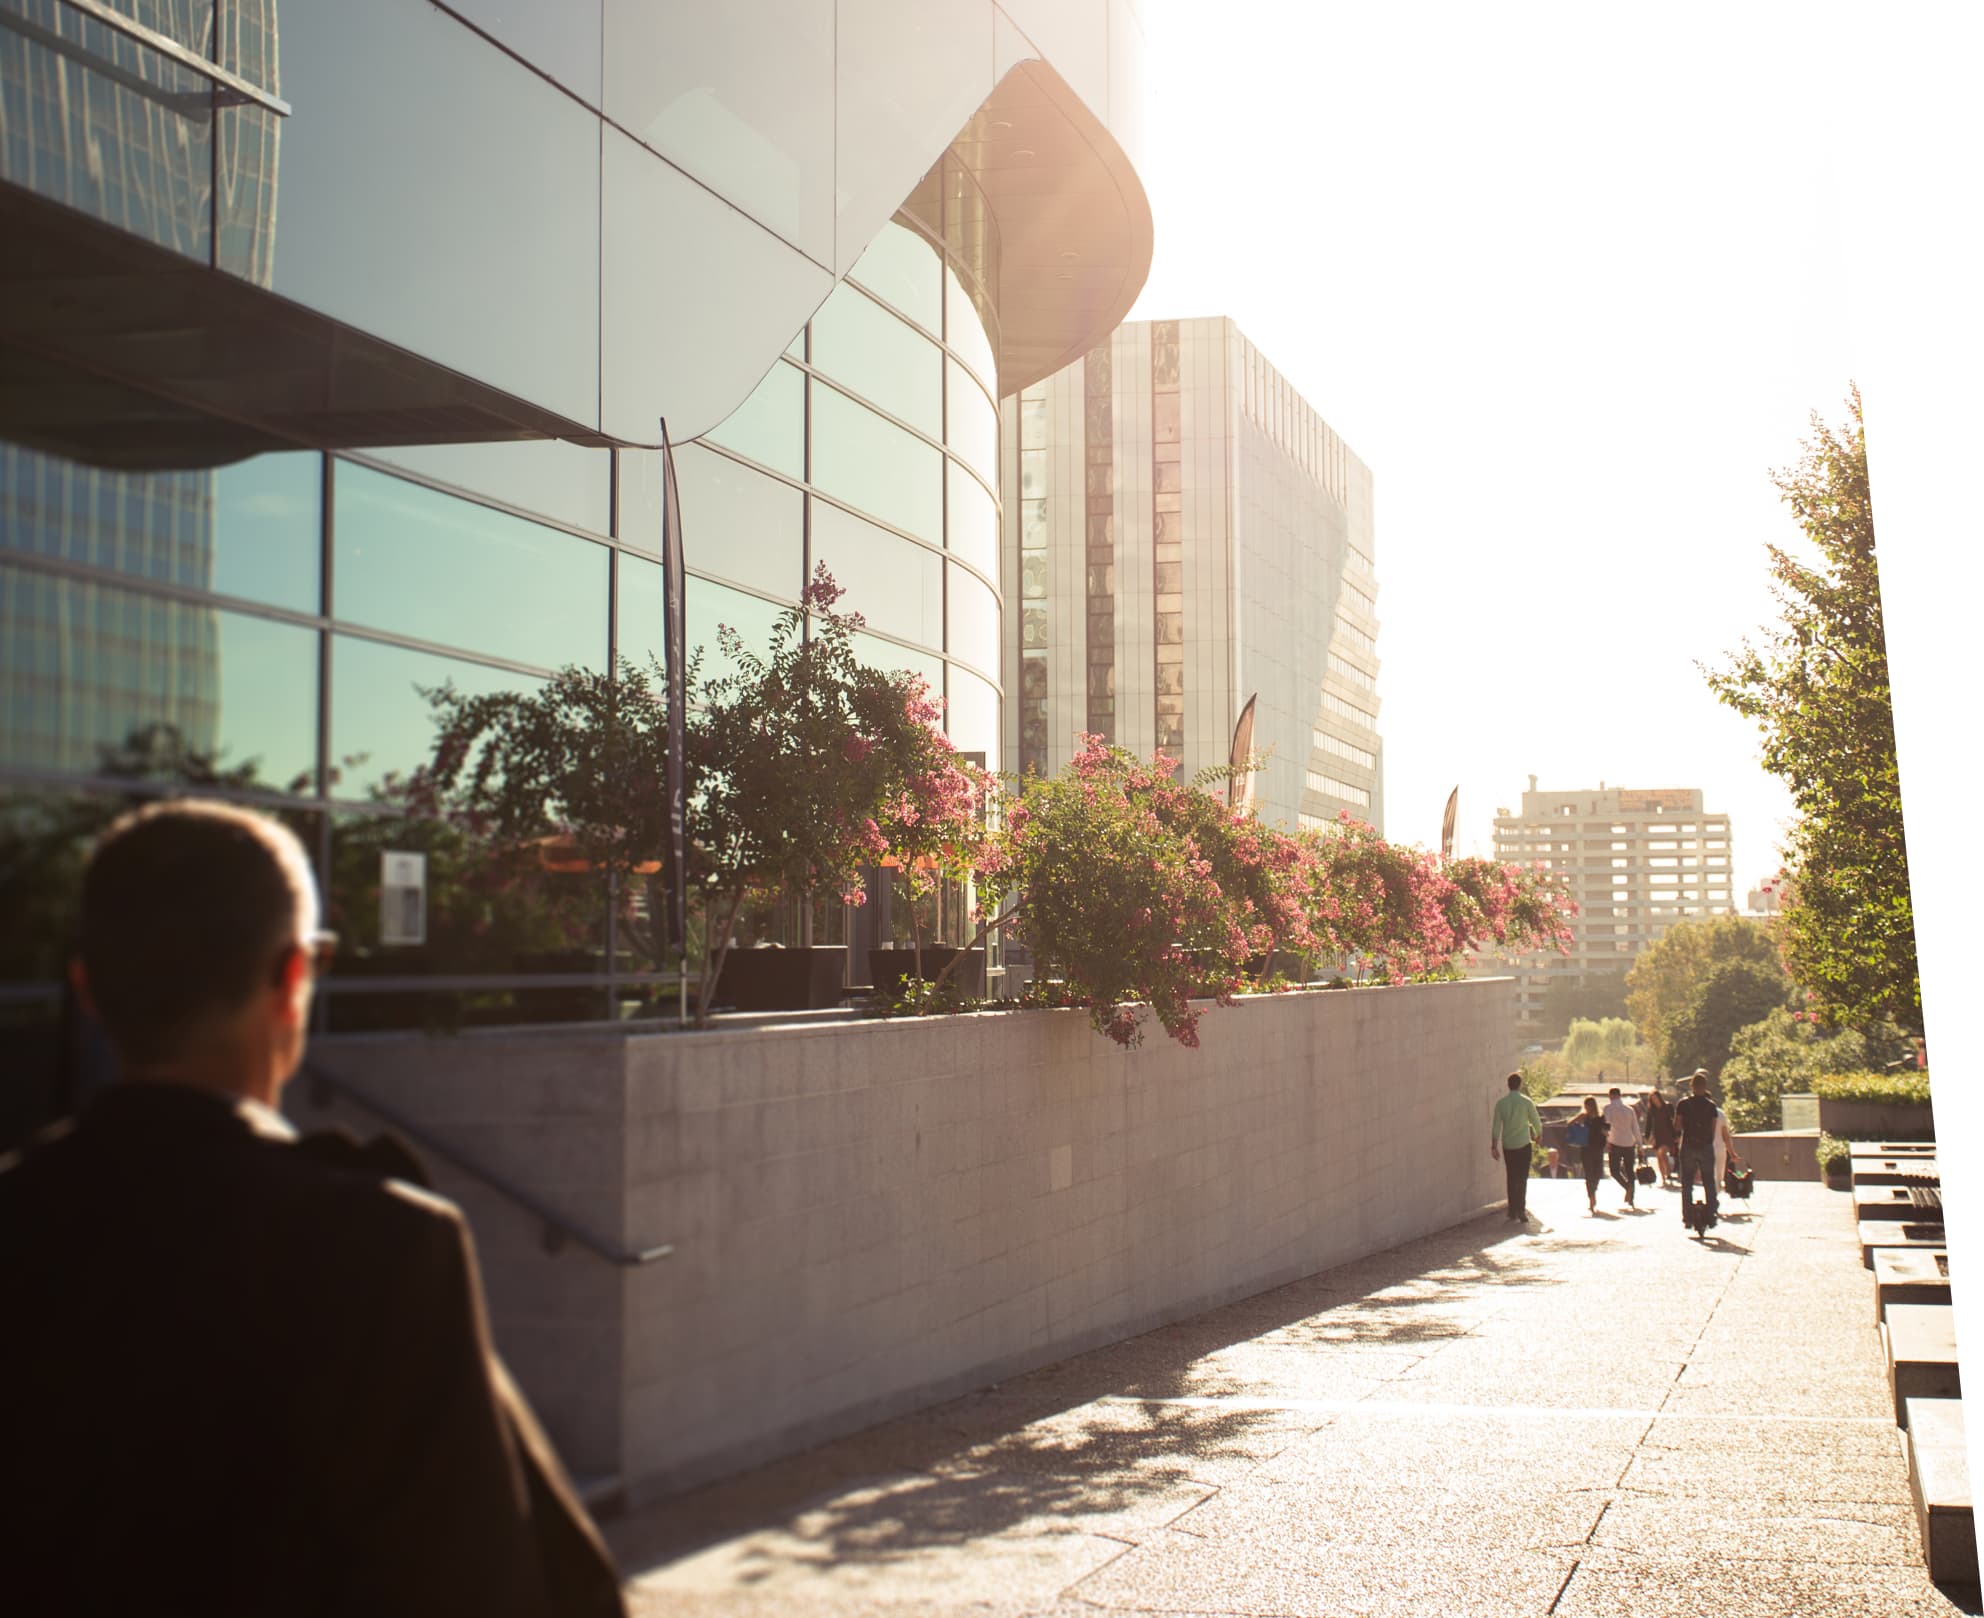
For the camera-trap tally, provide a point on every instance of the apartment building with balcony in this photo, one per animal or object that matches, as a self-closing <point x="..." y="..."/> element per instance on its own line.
<point x="1636" y="861"/>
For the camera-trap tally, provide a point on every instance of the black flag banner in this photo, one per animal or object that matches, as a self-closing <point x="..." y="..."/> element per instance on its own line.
<point x="1447" y="824"/>
<point x="674" y="635"/>
<point x="1240" y="787"/>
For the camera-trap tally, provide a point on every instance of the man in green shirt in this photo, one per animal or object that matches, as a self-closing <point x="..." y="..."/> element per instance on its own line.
<point x="1516" y="1128"/>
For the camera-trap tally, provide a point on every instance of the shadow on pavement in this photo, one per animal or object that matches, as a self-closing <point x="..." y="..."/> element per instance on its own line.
<point x="1039" y="1445"/>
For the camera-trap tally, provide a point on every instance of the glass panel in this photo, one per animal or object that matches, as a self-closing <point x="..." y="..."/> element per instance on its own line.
<point x="473" y="178"/>
<point x="902" y="266"/>
<point x="565" y="482"/>
<point x="382" y="724"/>
<point x="1033" y="474"/>
<point x="249" y="530"/>
<point x="740" y="524"/>
<point x="560" y="38"/>
<point x="133" y="157"/>
<point x="974" y="621"/>
<point x="710" y="605"/>
<point x="119" y="682"/>
<point x="875" y="466"/>
<point x="1033" y="422"/>
<point x="972" y="716"/>
<point x="640" y="631"/>
<point x="971" y="429"/>
<point x="770" y="426"/>
<point x="964" y="331"/>
<point x="1033" y="525"/>
<point x="860" y="343"/>
<point x="886" y="654"/>
<point x="425" y="564"/>
<point x="898" y="586"/>
<point x="974" y="521"/>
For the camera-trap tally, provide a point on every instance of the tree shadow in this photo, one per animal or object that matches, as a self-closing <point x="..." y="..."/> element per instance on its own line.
<point x="1044" y="1447"/>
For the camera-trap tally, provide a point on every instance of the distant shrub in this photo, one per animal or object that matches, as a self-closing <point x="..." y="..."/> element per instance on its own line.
<point x="1835" y="1155"/>
<point x="1882" y="1089"/>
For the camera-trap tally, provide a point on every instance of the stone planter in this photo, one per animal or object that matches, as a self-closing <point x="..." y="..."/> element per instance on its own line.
<point x="1876" y="1120"/>
<point x="782" y="979"/>
<point x="890" y="969"/>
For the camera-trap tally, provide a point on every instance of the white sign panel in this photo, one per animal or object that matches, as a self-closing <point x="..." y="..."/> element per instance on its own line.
<point x="402" y="898"/>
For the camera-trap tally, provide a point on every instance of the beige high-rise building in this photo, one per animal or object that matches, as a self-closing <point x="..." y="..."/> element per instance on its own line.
<point x="1183" y="531"/>
<point x="1636" y="860"/>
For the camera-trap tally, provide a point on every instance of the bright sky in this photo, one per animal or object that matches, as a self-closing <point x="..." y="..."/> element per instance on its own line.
<point x="1563" y="278"/>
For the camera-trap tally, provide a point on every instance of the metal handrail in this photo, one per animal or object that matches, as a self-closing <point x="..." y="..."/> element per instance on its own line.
<point x="557" y="1228"/>
<point x="230" y="89"/>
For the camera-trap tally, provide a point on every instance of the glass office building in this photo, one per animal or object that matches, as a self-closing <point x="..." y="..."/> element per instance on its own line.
<point x="305" y="417"/>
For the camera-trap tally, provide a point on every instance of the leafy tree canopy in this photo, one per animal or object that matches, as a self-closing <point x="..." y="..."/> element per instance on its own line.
<point x="1667" y="976"/>
<point x="1786" y="1054"/>
<point x="1732" y="996"/>
<point x="1592" y="997"/>
<point x="1817" y="688"/>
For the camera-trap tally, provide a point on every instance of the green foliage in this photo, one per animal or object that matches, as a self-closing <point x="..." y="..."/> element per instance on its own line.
<point x="1542" y="1077"/>
<point x="1785" y="1054"/>
<point x="1732" y="996"/>
<point x="1668" y="976"/>
<point x="1590" y="997"/>
<point x="1610" y="1047"/>
<point x="1818" y="691"/>
<point x="1908" y="1089"/>
<point x="1835" y="1155"/>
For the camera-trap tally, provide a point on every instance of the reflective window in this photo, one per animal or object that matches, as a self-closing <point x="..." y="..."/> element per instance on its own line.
<point x="973" y="612"/>
<point x="971" y="429"/>
<point x="129" y="156"/>
<point x="886" y="654"/>
<point x="896" y="585"/>
<point x="770" y="426"/>
<point x="428" y="565"/>
<point x="550" y="478"/>
<point x="875" y="466"/>
<point x="857" y="341"/>
<point x="114" y="681"/>
<point x="249" y="530"/>
<point x="712" y="605"/>
<point x="1033" y="474"/>
<point x="974" y="521"/>
<point x="971" y="716"/>
<point x="964" y="330"/>
<point x="475" y="181"/>
<point x="560" y="38"/>
<point x="739" y="524"/>
<point x="382" y="723"/>
<point x="641" y="631"/>
<point x="902" y="266"/>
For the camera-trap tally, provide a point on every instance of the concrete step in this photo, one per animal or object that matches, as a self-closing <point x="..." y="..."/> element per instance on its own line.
<point x="1883" y="1202"/>
<point x="1906" y="1233"/>
<point x="1939" y="1479"/>
<point x="1909" y="1275"/>
<point x="1893" y="1170"/>
<point x="1919" y="1341"/>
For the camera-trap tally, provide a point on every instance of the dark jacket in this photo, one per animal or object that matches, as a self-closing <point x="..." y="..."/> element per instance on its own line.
<point x="243" y="1373"/>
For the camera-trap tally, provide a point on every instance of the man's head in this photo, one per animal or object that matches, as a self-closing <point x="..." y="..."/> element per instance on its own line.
<point x="199" y="945"/>
<point x="1613" y="1093"/>
<point x="1700" y="1081"/>
<point x="1515" y="1081"/>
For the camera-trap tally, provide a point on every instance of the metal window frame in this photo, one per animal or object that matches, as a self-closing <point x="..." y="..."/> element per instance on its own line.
<point x="229" y="89"/>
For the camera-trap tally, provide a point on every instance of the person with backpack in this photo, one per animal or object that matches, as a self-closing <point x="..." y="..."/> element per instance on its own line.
<point x="1588" y="1133"/>
<point x="1698" y="1119"/>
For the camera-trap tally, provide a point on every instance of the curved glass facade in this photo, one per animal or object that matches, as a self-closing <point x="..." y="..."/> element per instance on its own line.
<point x="873" y="448"/>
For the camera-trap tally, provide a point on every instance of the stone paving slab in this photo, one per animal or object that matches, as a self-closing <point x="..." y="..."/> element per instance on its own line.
<point x="1581" y="1416"/>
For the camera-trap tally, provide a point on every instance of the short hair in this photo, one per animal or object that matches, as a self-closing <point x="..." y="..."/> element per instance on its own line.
<point x="1613" y="1091"/>
<point x="1700" y="1080"/>
<point x="1515" y="1081"/>
<point x="187" y="905"/>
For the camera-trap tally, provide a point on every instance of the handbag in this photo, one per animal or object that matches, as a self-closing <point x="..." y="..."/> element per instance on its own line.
<point x="1738" y="1183"/>
<point x="1579" y="1134"/>
<point x="1645" y="1172"/>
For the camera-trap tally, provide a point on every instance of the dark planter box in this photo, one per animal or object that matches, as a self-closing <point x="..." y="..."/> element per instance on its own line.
<point x="781" y="979"/>
<point x="1876" y="1120"/>
<point x="890" y="969"/>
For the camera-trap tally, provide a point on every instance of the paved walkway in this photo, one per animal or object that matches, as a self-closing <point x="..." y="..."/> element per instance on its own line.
<point x="1590" y="1416"/>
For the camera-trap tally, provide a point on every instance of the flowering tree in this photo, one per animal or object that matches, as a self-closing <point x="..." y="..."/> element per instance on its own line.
<point x="815" y="765"/>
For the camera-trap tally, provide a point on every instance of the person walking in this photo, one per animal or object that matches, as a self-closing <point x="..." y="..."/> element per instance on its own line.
<point x="1697" y="1118"/>
<point x="1587" y="1133"/>
<point x="1664" y="1134"/>
<point x="1622" y="1142"/>
<point x="249" y="1372"/>
<point x="1512" y="1132"/>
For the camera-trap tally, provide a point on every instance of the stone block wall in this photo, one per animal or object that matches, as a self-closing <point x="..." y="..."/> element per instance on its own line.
<point x="871" y="1216"/>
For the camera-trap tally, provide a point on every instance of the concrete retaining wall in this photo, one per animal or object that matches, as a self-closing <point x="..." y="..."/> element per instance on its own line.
<point x="1777" y="1154"/>
<point x="872" y="1216"/>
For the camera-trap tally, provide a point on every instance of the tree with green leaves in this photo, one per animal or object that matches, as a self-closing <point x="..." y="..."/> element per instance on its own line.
<point x="1732" y="996"/>
<point x="1786" y="1053"/>
<point x="1817" y="688"/>
<point x="1668" y="975"/>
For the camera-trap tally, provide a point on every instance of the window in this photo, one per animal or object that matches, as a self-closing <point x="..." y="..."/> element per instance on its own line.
<point x="770" y="426"/>
<point x="875" y="466"/>
<point x="858" y="342"/>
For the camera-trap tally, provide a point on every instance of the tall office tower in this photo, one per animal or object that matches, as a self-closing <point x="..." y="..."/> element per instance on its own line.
<point x="1637" y="862"/>
<point x="1184" y="532"/>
